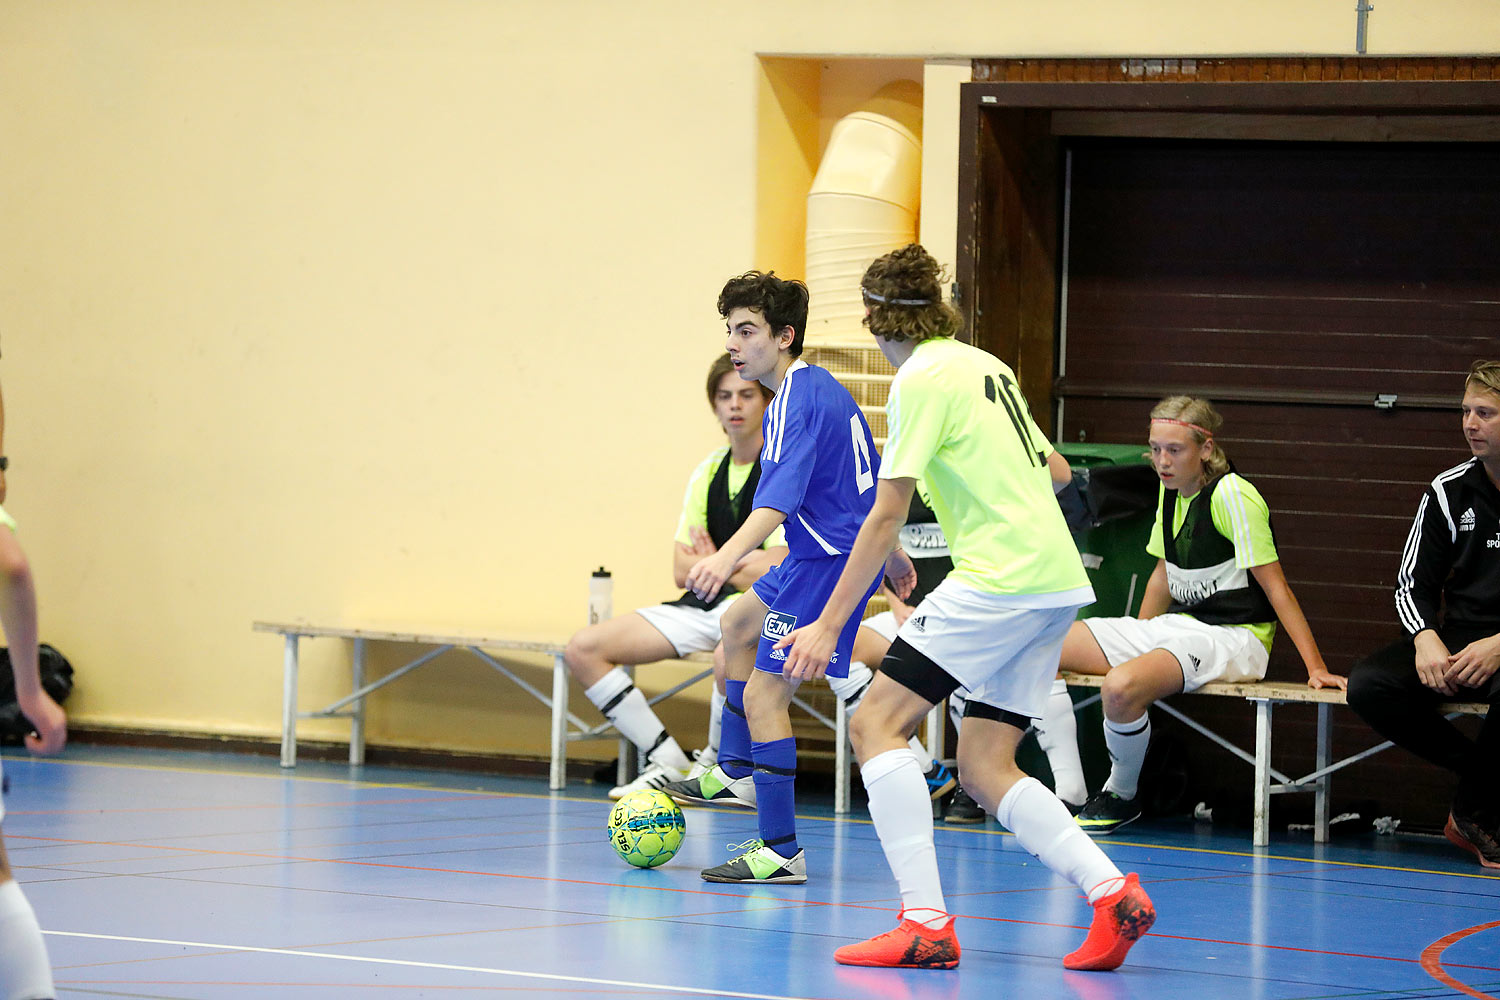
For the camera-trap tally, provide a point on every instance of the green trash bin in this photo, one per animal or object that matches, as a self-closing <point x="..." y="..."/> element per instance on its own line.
<point x="1117" y="489"/>
<point x="1110" y="510"/>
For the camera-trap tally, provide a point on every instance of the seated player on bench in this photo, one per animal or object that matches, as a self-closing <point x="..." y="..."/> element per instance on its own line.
<point x="717" y="501"/>
<point x="1209" y="611"/>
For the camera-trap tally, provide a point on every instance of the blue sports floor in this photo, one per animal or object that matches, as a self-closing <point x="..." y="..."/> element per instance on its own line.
<point x="185" y="875"/>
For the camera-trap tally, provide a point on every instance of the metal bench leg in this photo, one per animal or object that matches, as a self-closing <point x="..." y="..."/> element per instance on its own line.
<point x="289" y="701"/>
<point x="557" y="772"/>
<point x="1320" y="795"/>
<point x="1262" y="832"/>
<point x="841" y="777"/>
<point x="357" y="717"/>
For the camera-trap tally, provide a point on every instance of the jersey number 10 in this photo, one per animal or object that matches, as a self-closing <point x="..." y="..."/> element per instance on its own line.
<point x="1009" y="397"/>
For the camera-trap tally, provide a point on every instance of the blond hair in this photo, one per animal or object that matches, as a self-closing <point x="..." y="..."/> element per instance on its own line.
<point x="1202" y="421"/>
<point x="1484" y="376"/>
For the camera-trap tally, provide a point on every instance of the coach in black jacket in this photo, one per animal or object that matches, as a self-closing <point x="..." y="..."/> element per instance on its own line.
<point x="1451" y="560"/>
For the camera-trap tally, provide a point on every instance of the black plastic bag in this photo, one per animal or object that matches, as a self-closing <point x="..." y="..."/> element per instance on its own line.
<point x="57" y="680"/>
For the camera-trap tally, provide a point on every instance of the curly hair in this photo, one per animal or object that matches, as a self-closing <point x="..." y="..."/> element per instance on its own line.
<point x="723" y="366"/>
<point x="903" y="293"/>
<point x="783" y="302"/>
<point x="1203" y="422"/>
<point x="1484" y="376"/>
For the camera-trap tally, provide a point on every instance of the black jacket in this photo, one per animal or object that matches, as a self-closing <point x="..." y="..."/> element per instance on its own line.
<point x="1453" y="554"/>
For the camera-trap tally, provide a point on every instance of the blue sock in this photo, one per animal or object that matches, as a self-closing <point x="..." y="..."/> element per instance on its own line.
<point x="734" y="736"/>
<point x="776" y="794"/>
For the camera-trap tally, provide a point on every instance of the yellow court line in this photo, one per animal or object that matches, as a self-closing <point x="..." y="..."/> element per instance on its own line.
<point x="549" y="796"/>
<point x="289" y="774"/>
<point x="1223" y="853"/>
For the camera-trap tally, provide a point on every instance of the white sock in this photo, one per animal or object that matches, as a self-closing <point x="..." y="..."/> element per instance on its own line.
<point x="1127" y="743"/>
<point x="24" y="971"/>
<point x="903" y="820"/>
<point x="622" y="703"/>
<point x="1057" y="733"/>
<point x="1044" y="827"/>
<point x="920" y="749"/>
<point x="710" y="753"/>
<point x="957" y="702"/>
<point x="669" y="753"/>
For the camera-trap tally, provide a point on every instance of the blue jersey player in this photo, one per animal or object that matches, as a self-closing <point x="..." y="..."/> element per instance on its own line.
<point x="818" y="469"/>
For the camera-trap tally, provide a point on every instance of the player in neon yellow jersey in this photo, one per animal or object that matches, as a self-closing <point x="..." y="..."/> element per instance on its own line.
<point x="1210" y="608"/>
<point x="957" y="420"/>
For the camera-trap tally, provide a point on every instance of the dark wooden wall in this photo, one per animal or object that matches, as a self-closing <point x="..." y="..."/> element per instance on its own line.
<point x="1291" y="250"/>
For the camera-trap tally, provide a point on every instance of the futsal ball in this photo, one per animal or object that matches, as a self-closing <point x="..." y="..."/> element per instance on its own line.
<point x="646" y="828"/>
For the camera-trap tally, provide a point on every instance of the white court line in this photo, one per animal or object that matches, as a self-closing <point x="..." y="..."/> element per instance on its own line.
<point x="699" y="990"/>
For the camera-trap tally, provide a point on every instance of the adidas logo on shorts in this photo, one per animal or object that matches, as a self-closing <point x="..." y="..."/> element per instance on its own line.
<point x="918" y="623"/>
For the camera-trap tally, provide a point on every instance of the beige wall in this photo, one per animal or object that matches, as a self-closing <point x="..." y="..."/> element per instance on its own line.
<point x="397" y="310"/>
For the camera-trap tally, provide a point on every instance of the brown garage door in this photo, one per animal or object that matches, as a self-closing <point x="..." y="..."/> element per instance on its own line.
<point x="1327" y="297"/>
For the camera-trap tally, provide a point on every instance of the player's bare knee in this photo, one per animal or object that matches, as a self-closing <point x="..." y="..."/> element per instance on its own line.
<point x="1123" y="696"/>
<point x="981" y="791"/>
<point x="584" y="657"/>
<point x="987" y="780"/>
<point x="860" y="732"/>
<point x="740" y="629"/>
<point x="763" y="702"/>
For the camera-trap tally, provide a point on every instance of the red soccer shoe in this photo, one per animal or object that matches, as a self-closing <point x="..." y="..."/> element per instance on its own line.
<point x="910" y="946"/>
<point x="1120" y="920"/>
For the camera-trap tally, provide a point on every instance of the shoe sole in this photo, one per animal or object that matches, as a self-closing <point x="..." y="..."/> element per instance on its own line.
<point x="964" y="820"/>
<point x="1457" y="839"/>
<point x="1092" y="827"/>
<point x="774" y="880"/>
<point x="620" y="791"/>
<point x="684" y="800"/>
<point x="895" y="965"/>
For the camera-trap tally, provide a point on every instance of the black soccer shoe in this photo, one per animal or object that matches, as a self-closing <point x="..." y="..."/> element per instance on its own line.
<point x="1107" y="812"/>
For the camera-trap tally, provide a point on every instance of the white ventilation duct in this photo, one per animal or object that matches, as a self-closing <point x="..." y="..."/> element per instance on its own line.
<point x="863" y="203"/>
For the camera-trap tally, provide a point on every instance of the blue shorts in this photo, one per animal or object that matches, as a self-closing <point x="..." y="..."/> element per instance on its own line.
<point x="795" y="592"/>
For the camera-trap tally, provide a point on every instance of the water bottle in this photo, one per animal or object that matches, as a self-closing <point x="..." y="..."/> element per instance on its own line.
<point x="601" y="596"/>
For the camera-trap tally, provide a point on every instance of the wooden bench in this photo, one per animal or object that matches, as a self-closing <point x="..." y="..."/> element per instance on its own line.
<point x="1268" y="781"/>
<point x="566" y="727"/>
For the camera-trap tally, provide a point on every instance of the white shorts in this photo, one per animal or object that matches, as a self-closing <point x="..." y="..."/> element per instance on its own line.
<point x="689" y="630"/>
<point x="1005" y="656"/>
<point x="883" y="625"/>
<point x="1205" y="652"/>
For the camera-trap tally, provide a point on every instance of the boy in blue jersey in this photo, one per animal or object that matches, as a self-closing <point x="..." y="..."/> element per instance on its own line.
<point x="818" y="468"/>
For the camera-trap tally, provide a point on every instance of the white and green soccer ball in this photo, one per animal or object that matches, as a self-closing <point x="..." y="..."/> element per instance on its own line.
<point x="646" y="828"/>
